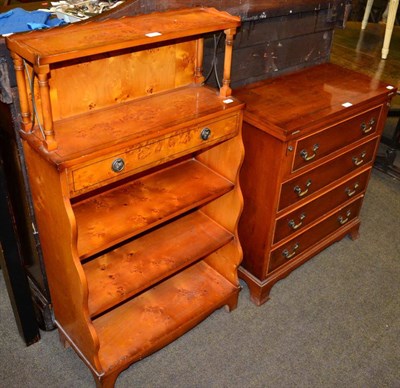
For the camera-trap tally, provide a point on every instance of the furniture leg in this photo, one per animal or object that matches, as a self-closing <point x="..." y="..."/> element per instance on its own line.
<point x="366" y="14"/>
<point x="107" y="381"/>
<point x="393" y="5"/>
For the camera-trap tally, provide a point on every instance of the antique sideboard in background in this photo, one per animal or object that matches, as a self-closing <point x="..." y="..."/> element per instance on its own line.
<point x="275" y="38"/>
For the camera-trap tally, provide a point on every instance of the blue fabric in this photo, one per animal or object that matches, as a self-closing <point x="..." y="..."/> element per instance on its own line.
<point x="18" y="20"/>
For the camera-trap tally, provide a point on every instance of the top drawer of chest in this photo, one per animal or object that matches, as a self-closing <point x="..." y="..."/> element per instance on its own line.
<point x="310" y="149"/>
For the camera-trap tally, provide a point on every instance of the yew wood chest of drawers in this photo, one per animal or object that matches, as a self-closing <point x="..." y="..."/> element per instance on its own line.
<point x="310" y="141"/>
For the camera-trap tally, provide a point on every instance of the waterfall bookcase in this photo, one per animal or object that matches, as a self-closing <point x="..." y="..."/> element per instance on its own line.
<point x="133" y="165"/>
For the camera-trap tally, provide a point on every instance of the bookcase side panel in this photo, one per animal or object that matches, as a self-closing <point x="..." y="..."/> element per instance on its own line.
<point x="58" y="235"/>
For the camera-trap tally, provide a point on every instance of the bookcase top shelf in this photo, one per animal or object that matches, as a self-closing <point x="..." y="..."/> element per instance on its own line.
<point x="91" y="38"/>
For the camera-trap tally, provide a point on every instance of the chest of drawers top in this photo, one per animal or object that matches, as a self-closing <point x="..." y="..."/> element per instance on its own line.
<point x="296" y="104"/>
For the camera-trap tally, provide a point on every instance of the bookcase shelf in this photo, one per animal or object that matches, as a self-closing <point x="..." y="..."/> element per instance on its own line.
<point x="131" y="268"/>
<point x="161" y="314"/>
<point x="144" y="203"/>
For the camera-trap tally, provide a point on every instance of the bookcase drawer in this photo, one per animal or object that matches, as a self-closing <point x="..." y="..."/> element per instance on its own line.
<point x="151" y="153"/>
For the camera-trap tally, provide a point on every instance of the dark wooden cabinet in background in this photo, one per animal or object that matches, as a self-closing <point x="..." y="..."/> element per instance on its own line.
<point x="20" y="211"/>
<point x="310" y="141"/>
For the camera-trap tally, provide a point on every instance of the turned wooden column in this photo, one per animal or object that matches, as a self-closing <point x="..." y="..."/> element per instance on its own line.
<point x="26" y="118"/>
<point x="225" y="90"/>
<point x="43" y="75"/>
<point x="198" y="70"/>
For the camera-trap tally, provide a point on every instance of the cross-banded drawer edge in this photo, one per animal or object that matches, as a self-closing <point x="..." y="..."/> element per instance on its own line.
<point x="142" y="156"/>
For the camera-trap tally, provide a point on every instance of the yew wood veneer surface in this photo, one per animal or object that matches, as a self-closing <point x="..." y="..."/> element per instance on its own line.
<point x="301" y="100"/>
<point x="130" y="123"/>
<point x="144" y="203"/>
<point x="321" y="206"/>
<point x="161" y="314"/>
<point x="324" y="174"/>
<point x="129" y="269"/>
<point x="134" y="180"/>
<point x="77" y="41"/>
<point x="310" y="140"/>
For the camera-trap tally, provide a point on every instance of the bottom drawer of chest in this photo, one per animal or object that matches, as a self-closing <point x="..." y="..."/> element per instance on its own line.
<point x="295" y="247"/>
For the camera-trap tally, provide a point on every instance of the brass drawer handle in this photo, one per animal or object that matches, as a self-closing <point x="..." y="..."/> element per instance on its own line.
<point x="342" y="220"/>
<point x="350" y="192"/>
<point x="287" y="255"/>
<point x="299" y="192"/>
<point x="306" y="157"/>
<point x="118" y="165"/>
<point x="205" y="133"/>
<point x="367" y="128"/>
<point x="292" y="223"/>
<point x="360" y="161"/>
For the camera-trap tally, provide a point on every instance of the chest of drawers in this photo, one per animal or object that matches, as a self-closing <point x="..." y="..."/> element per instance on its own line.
<point x="310" y="141"/>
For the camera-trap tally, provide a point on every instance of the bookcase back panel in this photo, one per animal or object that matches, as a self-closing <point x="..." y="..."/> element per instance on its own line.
<point x="124" y="77"/>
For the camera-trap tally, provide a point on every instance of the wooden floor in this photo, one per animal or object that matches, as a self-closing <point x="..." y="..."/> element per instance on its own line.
<point x="361" y="50"/>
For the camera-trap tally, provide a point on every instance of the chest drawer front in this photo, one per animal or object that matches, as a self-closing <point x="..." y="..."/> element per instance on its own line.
<point x="318" y="145"/>
<point x="311" y="181"/>
<point x="151" y="153"/>
<point x="300" y="218"/>
<point x="296" y="246"/>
